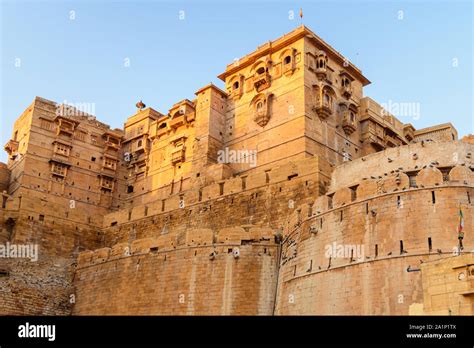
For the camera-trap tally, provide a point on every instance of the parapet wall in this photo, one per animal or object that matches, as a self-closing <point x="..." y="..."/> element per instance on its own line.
<point x="231" y="272"/>
<point x="402" y="159"/>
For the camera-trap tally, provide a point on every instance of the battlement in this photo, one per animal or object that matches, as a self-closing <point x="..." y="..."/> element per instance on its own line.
<point x="195" y="238"/>
<point x="311" y="169"/>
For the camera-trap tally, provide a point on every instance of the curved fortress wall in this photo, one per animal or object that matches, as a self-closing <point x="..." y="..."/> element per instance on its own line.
<point x="233" y="272"/>
<point x="349" y="253"/>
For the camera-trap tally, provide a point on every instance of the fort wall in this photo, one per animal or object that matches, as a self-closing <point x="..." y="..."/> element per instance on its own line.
<point x="387" y="222"/>
<point x="231" y="272"/>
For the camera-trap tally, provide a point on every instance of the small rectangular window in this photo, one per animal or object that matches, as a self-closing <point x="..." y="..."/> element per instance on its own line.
<point x="330" y="205"/>
<point x="353" y="193"/>
<point x="412" y="178"/>
<point x="221" y="188"/>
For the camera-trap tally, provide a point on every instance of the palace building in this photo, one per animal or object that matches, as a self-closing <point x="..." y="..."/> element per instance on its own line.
<point x="158" y="218"/>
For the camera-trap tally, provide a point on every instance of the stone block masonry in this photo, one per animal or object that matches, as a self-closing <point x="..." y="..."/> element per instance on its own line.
<point x="332" y="206"/>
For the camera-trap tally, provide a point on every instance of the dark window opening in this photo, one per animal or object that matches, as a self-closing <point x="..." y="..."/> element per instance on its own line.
<point x="376" y="250"/>
<point x="267" y="176"/>
<point x="412" y="178"/>
<point x="330" y="205"/>
<point x="221" y="188"/>
<point x="366" y="208"/>
<point x="129" y="215"/>
<point x="163" y="205"/>
<point x="41" y="217"/>
<point x="146" y="211"/>
<point x="399" y="202"/>
<point x="445" y="171"/>
<point x="244" y="182"/>
<point x="261" y="70"/>
<point x="129" y="189"/>
<point x="353" y="193"/>
<point x="401" y="247"/>
<point x="468" y="197"/>
<point x="430" y="245"/>
<point x="93" y="159"/>
<point x="433" y="197"/>
<point x="235" y="85"/>
<point x="341" y="216"/>
<point x="200" y="195"/>
<point x="287" y="60"/>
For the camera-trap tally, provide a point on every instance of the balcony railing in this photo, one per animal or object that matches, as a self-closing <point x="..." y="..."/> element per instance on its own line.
<point x="176" y="121"/>
<point x="11" y="147"/>
<point x="323" y="109"/>
<point x="177" y="156"/>
<point x="261" y="81"/>
<point x="346" y="91"/>
<point x="348" y="125"/>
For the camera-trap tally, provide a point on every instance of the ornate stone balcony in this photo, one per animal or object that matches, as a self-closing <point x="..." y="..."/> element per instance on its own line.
<point x="348" y="123"/>
<point x="346" y="91"/>
<point x="11" y="147"/>
<point x="177" y="156"/>
<point x="323" y="109"/>
<point x="261" y="81"/>
<point x="176" y="121"/>
<point x="321" y="73"/>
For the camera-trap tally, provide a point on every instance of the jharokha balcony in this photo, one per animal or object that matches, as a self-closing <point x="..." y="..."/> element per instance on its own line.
<point x="261" y="81"/>
<point x="11" y="147"/>
<point x="323" y="109"/>
<point x="346" y="91"/>
<point x="177" y="156"/>
<point x="348" y="123"/>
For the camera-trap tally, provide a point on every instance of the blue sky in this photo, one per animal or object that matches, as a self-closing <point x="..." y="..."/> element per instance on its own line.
<point x="421" y="55"/>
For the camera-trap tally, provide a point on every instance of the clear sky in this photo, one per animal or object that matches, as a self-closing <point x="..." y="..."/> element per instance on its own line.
<point x="113" y="53"/>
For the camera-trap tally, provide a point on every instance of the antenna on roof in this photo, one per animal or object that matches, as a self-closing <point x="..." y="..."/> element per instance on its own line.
<point x="301" y="15"/>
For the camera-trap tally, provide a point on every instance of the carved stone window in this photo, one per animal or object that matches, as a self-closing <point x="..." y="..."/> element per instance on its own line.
<point x="262" y="109"/>
<point x="58" y="169"/>
<point x="261" y="78"/>
<point x="346" y="84"/>
<point x="61" y="149"/>
<point x="321" y="65"/>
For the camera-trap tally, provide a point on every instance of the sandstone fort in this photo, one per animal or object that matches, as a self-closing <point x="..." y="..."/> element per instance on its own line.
<point x="288" y="192"/>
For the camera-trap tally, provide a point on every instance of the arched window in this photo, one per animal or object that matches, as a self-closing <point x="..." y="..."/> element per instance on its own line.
<point x="259" y="106"/>
<point x="163" y="125"/>
<point x="287" y="60"/>
<point x="261" y="70"/>
<point x="327" y="98"/>
<point x="352" y="117"/>
<point x="235" y="85"/>
<point x="139" y="143"/>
